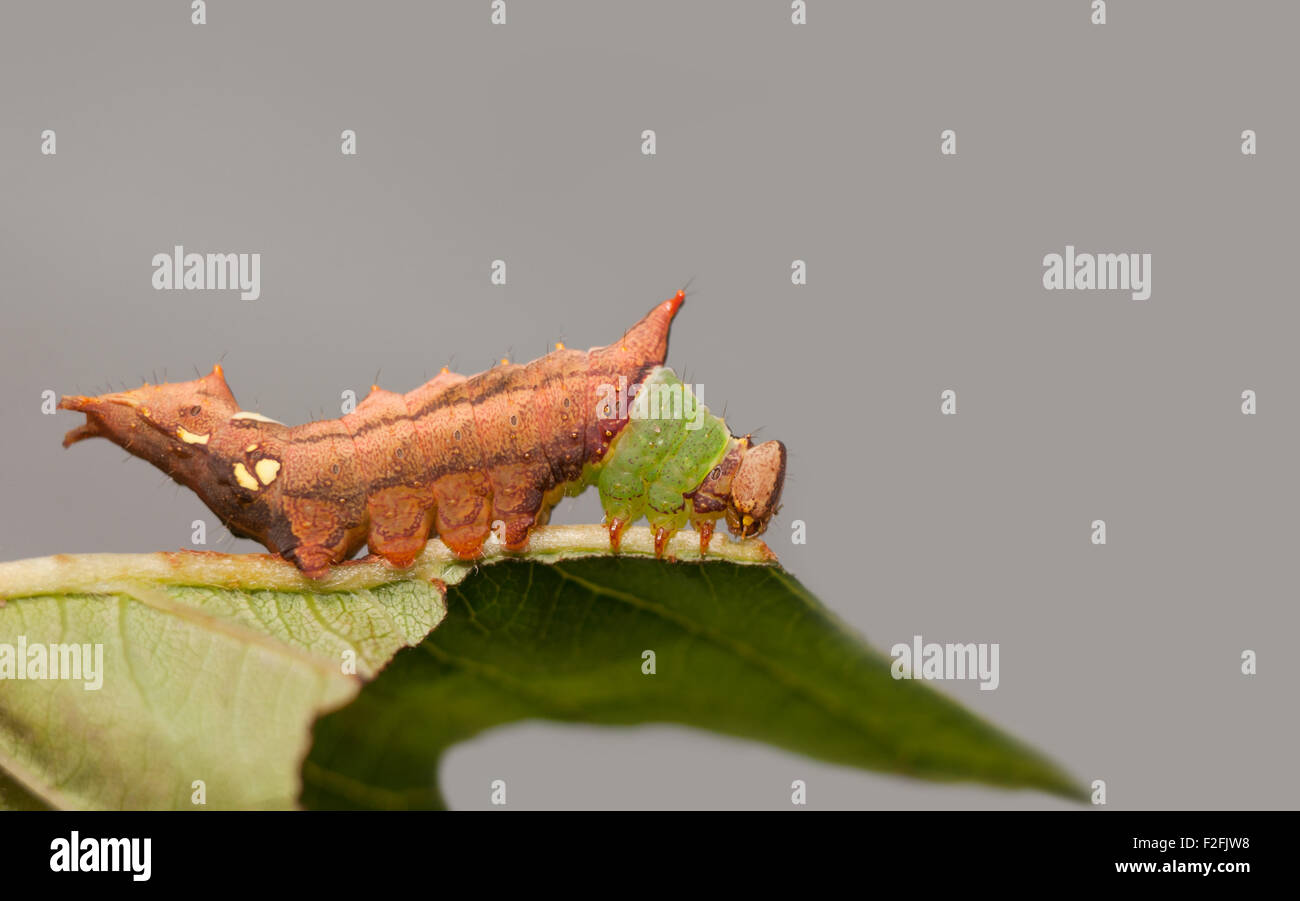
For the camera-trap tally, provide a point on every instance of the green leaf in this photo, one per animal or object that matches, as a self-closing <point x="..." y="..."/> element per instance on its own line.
<point x="742" y="650"/>
<point x="216" y="666"/>
<point x="199" y="682"/>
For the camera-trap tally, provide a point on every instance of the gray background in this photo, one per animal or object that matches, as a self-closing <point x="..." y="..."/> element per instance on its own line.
<point x="775" y="142"/>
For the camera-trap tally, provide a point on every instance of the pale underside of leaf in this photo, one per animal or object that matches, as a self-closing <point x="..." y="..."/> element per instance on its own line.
<point x="215" y="666"/>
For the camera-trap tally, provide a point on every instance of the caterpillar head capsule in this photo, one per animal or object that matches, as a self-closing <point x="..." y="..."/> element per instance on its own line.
<point x="756" y="489"/>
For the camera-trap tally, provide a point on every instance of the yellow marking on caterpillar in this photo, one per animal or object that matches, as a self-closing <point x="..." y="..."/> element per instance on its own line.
<point x="266" y="470"/>
<point x="190" y="438"/>
<point x="244" y="479"/>
<point x="256" y="417"/>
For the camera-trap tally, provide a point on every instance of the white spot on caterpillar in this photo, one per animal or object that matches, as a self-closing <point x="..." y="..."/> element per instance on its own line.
<point x="266" y="470"/>
<point x="256" y="417"/>
<point x="252" y="447"/>
<point x="244" y="479"/>
<point x="189" y="437"/>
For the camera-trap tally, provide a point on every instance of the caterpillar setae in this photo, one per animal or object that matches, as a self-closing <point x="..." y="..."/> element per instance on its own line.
<point x="455" y="456"/>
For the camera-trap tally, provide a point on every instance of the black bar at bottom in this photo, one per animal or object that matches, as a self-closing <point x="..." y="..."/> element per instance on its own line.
<point x="336" y="852"/>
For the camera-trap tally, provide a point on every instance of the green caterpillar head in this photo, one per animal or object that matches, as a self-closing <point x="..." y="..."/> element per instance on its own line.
<point x="756" y="489"/>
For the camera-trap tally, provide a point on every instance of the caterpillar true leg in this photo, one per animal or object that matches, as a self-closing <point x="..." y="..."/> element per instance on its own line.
<point x="616" y="527"/>
<point x="705" y="528"/>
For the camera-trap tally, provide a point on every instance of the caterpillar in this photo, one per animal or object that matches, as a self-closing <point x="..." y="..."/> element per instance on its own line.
<point x="454" y="456"/>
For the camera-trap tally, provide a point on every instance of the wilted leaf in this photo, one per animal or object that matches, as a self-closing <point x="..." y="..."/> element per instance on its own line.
<point x="199" y="683"/>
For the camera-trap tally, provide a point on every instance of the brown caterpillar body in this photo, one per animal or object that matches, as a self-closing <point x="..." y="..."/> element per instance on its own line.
<point x="451" y="457"/>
